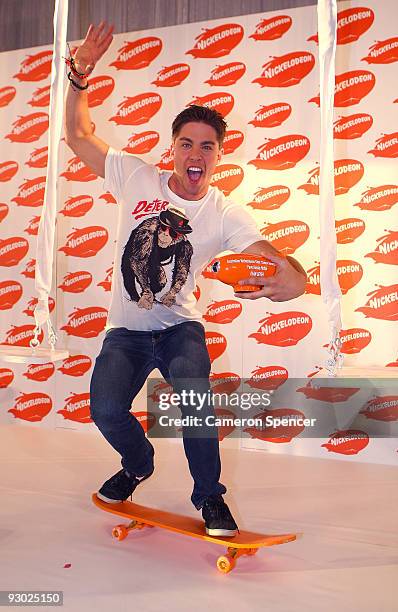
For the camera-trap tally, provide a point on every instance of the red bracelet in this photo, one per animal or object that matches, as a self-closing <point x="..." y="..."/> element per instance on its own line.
<point x="71" y="63"/>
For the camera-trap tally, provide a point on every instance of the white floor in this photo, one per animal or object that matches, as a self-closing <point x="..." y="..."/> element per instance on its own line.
<point x="346" y="560"/>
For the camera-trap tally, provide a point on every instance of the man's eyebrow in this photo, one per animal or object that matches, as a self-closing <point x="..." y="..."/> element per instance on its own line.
<point x="212" y="142"/>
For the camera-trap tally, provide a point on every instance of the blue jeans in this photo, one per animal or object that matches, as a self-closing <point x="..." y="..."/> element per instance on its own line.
<point x="121" y="369"/>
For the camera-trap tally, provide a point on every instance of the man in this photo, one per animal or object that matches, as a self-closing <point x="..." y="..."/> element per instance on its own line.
<point x="152" y="320"/>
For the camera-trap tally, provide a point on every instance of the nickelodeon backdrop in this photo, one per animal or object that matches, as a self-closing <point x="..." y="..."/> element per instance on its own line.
<point x="261" y="72"/>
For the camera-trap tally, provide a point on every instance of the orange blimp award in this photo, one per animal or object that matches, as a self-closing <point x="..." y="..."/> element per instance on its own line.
<point x="230" y="269"/>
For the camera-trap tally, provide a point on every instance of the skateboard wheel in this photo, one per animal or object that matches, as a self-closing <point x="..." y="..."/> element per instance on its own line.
<point x="225" y="564"/>
<point x="120" y="532"/>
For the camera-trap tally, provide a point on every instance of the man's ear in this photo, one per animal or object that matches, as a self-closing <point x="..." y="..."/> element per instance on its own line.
<point x="220" y="154"/>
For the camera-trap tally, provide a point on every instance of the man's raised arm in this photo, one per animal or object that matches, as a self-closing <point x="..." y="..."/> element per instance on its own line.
<point x="78" y="130"/>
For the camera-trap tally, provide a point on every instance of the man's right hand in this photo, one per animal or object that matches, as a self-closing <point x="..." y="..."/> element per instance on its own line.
<point x="78" y="128"/>
<point x="96" y="43"/>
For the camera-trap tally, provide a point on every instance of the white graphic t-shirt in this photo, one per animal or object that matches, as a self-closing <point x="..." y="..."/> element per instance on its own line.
<point x="156" y="265"/>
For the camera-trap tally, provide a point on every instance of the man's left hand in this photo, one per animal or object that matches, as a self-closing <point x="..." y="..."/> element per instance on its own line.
<point x="286" y="284"/>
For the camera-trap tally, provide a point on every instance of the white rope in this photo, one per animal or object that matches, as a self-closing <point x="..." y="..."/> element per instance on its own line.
<point x="330" y="289"/>
<point x="46" y="232"/>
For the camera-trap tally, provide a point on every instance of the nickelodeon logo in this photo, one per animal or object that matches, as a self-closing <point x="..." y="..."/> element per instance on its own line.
<point x="228" y="74"/>
<point x="281" y="148"/>
<point x="283" y="329"/>
<point x="138" y="109"/>
<point x="223" y="312"/>
<point x="35" y="67"/>
<point x="351" y="24"/>
<point x="172" y="76"/>
<point x="207" y="42"/>
<point x="139" y="49"/>
<point x="271" y="29"/>
<point x="138" y="54"/>
<point x="41" y="97"/>
<point x="217" y="41"/>
<point x="142" y="143"/>
<point x="138" y="105"/>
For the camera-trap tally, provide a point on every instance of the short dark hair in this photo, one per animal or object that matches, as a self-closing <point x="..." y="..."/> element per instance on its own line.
<point x="200" y="114"/>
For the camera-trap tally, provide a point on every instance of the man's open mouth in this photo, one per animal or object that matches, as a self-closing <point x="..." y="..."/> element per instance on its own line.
<point x="194" y="173"/>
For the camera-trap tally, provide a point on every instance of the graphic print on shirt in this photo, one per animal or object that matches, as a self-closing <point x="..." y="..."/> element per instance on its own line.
<point x="155" y="243"/>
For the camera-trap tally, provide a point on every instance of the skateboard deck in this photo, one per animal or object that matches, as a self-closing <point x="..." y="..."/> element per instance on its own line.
<point x="243" y="543"/>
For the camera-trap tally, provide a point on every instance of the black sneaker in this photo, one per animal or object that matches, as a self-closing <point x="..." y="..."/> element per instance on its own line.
<point x="218" y="518"/>
<point x="120" y="486"/>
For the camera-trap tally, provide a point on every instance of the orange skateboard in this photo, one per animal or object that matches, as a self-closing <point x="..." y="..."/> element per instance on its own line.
<point x="244" y="543"/>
